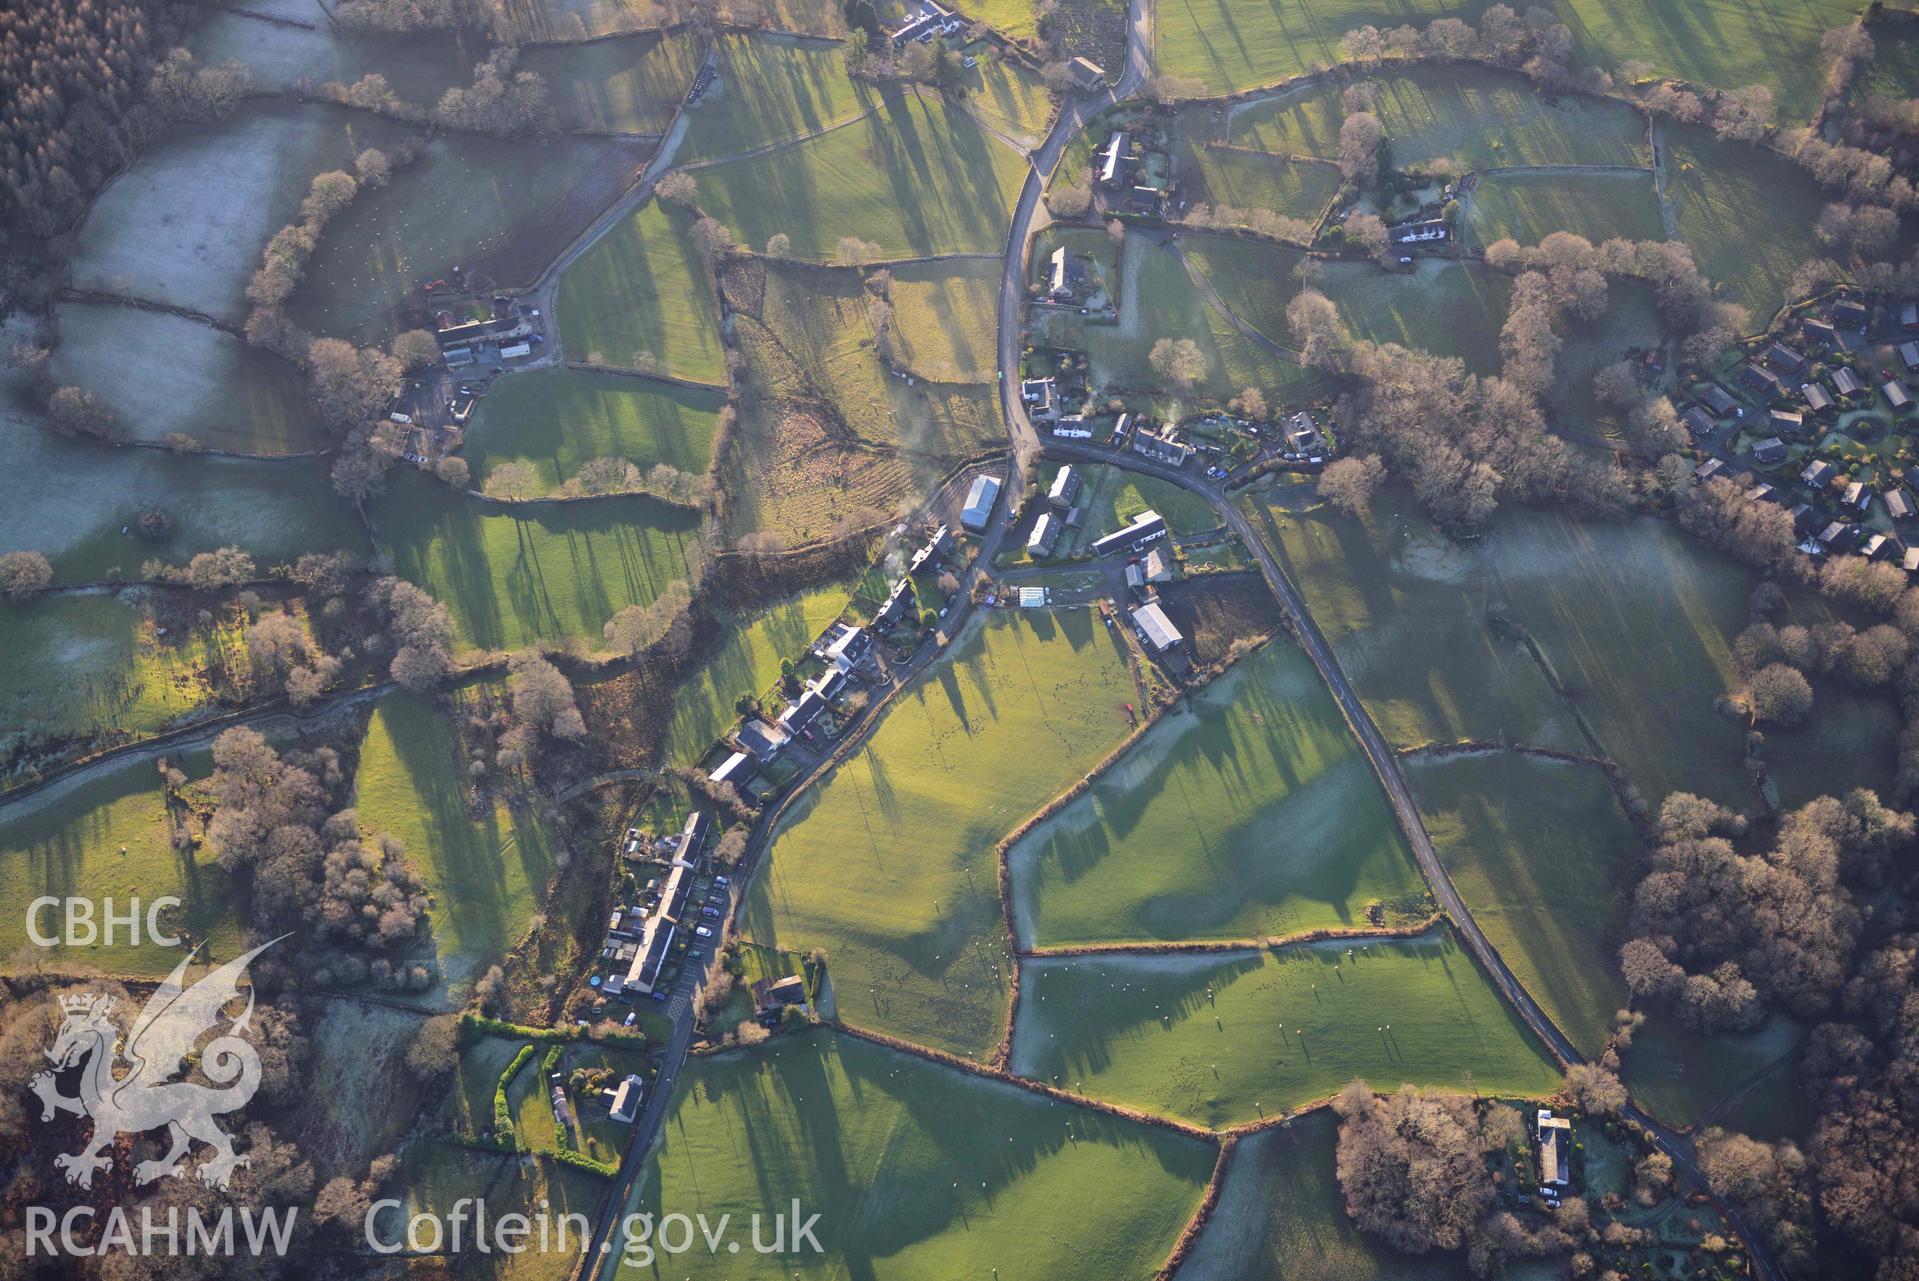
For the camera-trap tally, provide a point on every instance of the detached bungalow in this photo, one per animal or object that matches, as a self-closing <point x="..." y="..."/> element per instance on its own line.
<point x="1762" y="493"/>
<point x="1910" y="561"/>
<point x="1719" y="400"/>
<point x="1850" y="312"/>
<point x="1846" y="383"/>
<point x="1065" y="488"/>
<point x="1881" y="547"/>
<point x="1816" y="398"/>
<point x="1697" y="421"/>
<point x="1787" y="422"/>
<point x="1708" y="469"/>
<point x="1770" y="450"/>
<point x="1896" y="394"/>
<point x="1045" y="535"/>
<point x="1819" y="473"/>
<point x="1784" y="358"/>
<point x="1909" y="316"/>
<point x="625" y="1104"/>
<point x="1857" y="496"/>
<point x="1820" y="331"/>
<point x="1899" y="504"/>
<point x="1837" y="537"/>
<point x="1761" y="379"/>
<point x="1803" y="517"/>
<point x="1909" y="355"/>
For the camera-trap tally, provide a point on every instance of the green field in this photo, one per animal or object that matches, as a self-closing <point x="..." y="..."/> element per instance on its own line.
<point x="889" y="863"/>
<point x="916" y="177"/>
<point x="1251" y="815"/>
<point x="106" y="835"/>
<point x="163" y="374"/>
<point x="1446" y="307"/>
<point x="771" y="88"/>
<point x="748" y="659"/>
<point x="1405" y="608"/>
<point x="1281" y="1214"/>
<point x="1530" y="206"/>
<point x="77" y="501"/>
<point x="487" y="875"/>
<point x="640" y="298"/>
<point x="1746" y="1082"/>
<point x="1631" y="322"/>
<point x="1747" y="213"/>
<point x="1007" y="95"/>
<point x="1158" y="299"/>
<point x="1545" y="859"/>
<point x="419" y="67"/>
<point x="436" y="1178"/>
<point x="524" y="574"/>
<point x="559" y="418"/>
<point x="463" y="196"/>
<point x="629" y="85"/>
<point x="916" y="1170"/>
<point x="1469" y="117"/>
<point x="946" y="317"/>
<point x="186" y="222"/>
<point x="1110" y="497"/>
<point x="1222" y="1039"/>
<point x="117" y="676"/>
<point x="1251" y="180"/>
<point x="1893" y="71"/>
<point x="1228" y="45"/>
<point x="1236" y="44"/>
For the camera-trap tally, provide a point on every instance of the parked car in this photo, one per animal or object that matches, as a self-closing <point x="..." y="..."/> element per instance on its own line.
<point x="721" y="881"/>
<point x="704" y="932"/>
<point x="658" y="995"/>
<point x="711" y="913"/>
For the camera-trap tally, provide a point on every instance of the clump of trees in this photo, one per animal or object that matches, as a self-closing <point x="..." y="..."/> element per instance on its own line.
<point x="24" y="574"/>
<point x="86" y="86"/>
<point x="667" y="617"/>
<point x="1719" y="935"/>
<point x="1349" y="483"/>
<point x="1413" y="1171"/>
<point x="1534" y="43"/>
<point x="395" y="16"/>
<point x="287" y="659"/>
<point x="276" y="821"/>
<point x="419" y="628"/>
<point x="542" y="704"/>
<point x="500" y="101"/>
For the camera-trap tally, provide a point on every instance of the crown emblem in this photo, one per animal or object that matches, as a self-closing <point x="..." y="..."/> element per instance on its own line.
<point x="84" y="1003"/>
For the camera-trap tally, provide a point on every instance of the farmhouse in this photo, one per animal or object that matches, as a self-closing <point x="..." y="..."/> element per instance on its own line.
<point x="625" y="1103"/>
<point x="1065" y="489"/>
<point x="1786" y="422"/>
<point x="1419" y="231"/>
<point x="1555" y="1150"/>
<point x="1302" y="433"/>
<point x="1045" y="535"/>
<point x="766" y="741"/>
<point x="1144" y="528"/>
<point x="929" y="20"/>
<point x="1163" y="446"/>
<point x="1115" y="160"/>
<point x="1719" y="400"/>
<point x="1896" y="394"/>
<point x="1697" y="421"/>
<point x="1086" y="73"/>
<point x="1040" y="396"/>
<point x="980" y="501"/>
<point x="1816" y="398"/>
<point x="1846" y="383"/>
<point x="1784" y="358"/>
<point x="1770" y="450"/>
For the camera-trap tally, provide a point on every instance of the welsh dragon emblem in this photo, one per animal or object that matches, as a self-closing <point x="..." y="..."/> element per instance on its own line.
<point x="156" y="1050"/>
